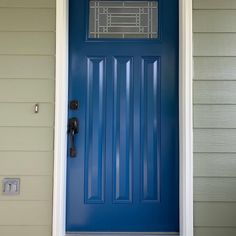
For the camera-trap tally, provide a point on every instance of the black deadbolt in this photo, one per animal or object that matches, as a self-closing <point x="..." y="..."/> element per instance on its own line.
<point x="74" y="105"/>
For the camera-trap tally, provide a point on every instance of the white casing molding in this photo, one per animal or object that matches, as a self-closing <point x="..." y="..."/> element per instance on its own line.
<point x="185" y="118"/>
<point x="60" y="133"/>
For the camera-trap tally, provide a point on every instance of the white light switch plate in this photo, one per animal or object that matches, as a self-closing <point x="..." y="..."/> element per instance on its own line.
<point x="11" y="186"/>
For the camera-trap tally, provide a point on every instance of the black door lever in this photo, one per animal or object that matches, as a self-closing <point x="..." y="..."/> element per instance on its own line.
<point x="73" y="129"/>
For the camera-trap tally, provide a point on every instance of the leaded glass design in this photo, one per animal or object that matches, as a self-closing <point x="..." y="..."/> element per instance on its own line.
<point x="123" y="19"/>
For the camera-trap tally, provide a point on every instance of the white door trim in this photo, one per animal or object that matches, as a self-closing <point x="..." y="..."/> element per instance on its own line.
<point x="185" y="118"/>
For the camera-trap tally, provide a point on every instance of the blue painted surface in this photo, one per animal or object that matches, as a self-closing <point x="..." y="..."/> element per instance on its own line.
<point x="125" y="175"/>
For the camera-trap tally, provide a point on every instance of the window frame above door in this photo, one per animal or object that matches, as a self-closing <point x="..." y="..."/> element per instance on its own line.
<point x="124" y="40"/>
<point x="185" y="119"/>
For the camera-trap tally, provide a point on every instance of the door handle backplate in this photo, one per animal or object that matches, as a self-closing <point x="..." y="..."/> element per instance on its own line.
<point x="73" y="129"/>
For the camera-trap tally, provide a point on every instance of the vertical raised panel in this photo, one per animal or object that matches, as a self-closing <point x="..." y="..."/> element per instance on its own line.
<point x="95" y="130"/>
<point x="122" y="136"/>
<point x="150" y="129"/>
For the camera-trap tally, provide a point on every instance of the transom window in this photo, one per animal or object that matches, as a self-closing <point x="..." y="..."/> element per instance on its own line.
<point x="123" y="19"/>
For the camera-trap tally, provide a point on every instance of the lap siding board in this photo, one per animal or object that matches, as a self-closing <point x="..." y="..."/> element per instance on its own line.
<point x="27" y="59"/>
<point x="214" y="111"/>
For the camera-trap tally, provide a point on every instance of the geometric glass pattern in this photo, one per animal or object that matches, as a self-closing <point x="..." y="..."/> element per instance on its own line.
<point x="123" y="19"/>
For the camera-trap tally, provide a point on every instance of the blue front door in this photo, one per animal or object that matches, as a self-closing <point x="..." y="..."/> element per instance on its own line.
<point x="123" y="71"/>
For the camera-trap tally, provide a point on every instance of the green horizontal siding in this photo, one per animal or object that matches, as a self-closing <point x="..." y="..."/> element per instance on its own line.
<point x="214" y="116"/>
<point x="214" y="140"/>
<point x="25" y="230"/>
<point x="214" y="68"/>
<point x="26" y="139"/>
<point x="215" y="164"/>
<point x="214" y="109"/>
<point x="215" y="214"/>
<point x="22" y="114"/>
<point x="217" y="231"/>
<point x="214" y="44"/>
<point x="27" y="43"/>
<point x="27" y="19"/>
<point x="214" y="189"/>
<point x="27" y="67"/>
<point x="14" y="90"/>
<point x="214" y="92"/>
<point x="210" y="21"/>
<point x="214" y="4"/>
<point x="28" y="3"/>
<point x="37" y="213"/>
<point x="29" y="163"/>
<point x="33" y="188"/>
<point x="27" y="77"/>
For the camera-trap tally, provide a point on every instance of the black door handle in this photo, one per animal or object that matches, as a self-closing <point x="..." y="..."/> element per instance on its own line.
<point x="73" y="129"/>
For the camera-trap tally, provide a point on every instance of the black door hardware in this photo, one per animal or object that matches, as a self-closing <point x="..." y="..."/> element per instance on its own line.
<point x="73" y="129"/>
<point x="74" y="105"/>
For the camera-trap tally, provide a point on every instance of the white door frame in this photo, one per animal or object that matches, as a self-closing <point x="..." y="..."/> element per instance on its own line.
<point x="185" y="118"/>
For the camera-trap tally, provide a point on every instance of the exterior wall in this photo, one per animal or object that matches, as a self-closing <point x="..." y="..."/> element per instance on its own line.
<point x="27" y="50"/>
<point x="27" y="58"/>
<point x="214" y="25"/>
